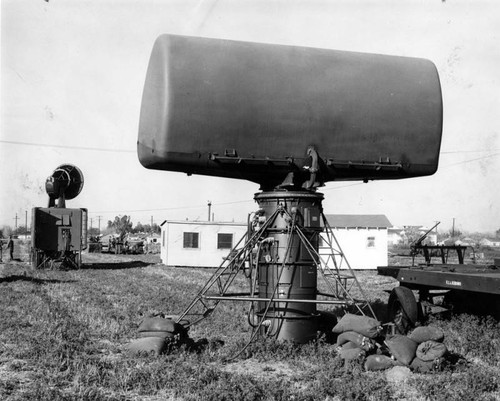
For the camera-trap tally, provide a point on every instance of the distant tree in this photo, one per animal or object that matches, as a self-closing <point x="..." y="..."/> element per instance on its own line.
<point x="6" y="231"/>
<point x="21" y="230"/>
<point x="139" y="228"/>
<point x="497" y="233"/>
<point x="454" y="233"/>
<point x="412" y="234"/>
<point x="122" y="226"/>
<point x="94" y="231"/>
<point x="156" y="228"/>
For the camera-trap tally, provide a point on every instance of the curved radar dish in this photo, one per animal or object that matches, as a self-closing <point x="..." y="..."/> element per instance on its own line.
<point x="66" y="182"/>
<point x="287" y="116"/>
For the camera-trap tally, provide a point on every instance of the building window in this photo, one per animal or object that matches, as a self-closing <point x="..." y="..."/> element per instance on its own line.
<point x="191" y="240"/>
<point x="370" y="242"/>
<point x="224" y="241"/>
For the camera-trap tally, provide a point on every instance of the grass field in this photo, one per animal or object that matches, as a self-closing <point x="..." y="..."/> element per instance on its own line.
<point x="62" y="335"/>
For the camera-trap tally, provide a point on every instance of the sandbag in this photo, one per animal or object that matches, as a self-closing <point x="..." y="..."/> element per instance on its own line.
<point x="183" y="322"/>
<point x="402" y="348"/>
<point x="430" y="350"/>
<point x="348" y="345"/>
<point x="426" y="333"/>
<point x="350" y="354"/>
<point x="420" y="366"/>
<point x="360" y="340"/>
<point x="149" y="345"/>
<point x="159" y="334"/>
<point x="364" y="325"/>
<point x="378" y="362"/>
<point x="159" y="324"/>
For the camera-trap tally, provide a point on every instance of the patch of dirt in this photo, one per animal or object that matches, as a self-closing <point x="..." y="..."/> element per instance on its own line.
<point x="261" y="370"/>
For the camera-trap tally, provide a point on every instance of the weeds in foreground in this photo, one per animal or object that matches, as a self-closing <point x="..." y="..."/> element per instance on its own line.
<point x="61" y="338"/>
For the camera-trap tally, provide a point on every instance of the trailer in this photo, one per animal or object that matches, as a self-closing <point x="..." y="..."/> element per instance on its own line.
<point x="432" y="288"/>
<point x="58" y="233"/>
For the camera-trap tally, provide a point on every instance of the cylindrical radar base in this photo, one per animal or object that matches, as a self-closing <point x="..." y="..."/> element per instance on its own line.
<point x="287" y="268"/>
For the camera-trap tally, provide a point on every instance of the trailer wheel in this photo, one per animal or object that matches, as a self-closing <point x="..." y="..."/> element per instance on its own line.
<point x="403" y="309"/>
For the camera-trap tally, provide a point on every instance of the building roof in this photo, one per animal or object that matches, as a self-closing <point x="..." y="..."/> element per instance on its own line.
<point x="358" y="220"/>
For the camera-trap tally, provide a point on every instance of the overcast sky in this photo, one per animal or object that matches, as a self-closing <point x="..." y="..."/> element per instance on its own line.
<point x="72" y="74"/>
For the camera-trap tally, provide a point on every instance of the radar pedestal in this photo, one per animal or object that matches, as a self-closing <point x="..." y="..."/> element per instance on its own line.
<point x="289" y="119"/>
<point x="287" y="269"/>
<point x="280" y="257"/>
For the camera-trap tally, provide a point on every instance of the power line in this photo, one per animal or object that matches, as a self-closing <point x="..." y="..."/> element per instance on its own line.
<point x="343" y="186"/>
<point x="470" y="160"/>
<point x="47" y="145"/>
<point x="468" y="151"/>
<point x="167" y="208"/>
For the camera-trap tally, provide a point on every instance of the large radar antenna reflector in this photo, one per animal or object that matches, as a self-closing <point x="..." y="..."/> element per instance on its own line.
<point x="290" y="119"/>
<point x="253" y="110"/>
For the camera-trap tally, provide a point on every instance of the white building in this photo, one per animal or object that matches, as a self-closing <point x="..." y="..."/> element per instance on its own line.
<point x="494" y="243"/>
<point x="363" y="239"/>
<point x="198" y="243"/>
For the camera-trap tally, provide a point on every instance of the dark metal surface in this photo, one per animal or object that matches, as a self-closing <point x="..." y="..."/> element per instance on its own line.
<point x="66" y="182"/>
<point x="59" y="234"/>
<point x="286" y="270"/>
<point x="472" y="278"/>
<point x="252" y="110"/>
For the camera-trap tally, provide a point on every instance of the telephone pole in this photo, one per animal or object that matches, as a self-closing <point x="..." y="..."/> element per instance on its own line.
<point x="99" y="225"/>
<point x="16" y="218"/>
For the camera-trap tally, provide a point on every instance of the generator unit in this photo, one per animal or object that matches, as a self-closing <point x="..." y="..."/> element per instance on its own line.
<point x="289" y="119"/>
<point x="58" y="233"/>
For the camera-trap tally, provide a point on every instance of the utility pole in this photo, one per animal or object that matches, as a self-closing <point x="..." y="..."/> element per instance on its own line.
<point x="91" y="220"/>
<point x="453" y="229"/>
<point x="209" y="209"/>
<point x="99" y="225"/>
<point x="26" y="224"/>
<point x="16" y="218"/>
<point x="151" y="224"/>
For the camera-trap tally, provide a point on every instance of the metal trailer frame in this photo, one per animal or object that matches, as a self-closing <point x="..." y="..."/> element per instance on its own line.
<point x="470" y="288"/>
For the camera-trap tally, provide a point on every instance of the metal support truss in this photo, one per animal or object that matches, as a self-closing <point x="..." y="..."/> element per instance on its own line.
<point x="244" y="259"/>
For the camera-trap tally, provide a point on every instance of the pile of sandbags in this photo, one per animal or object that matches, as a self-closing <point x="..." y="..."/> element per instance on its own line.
<point x="157" y="334"/>
<point x="431" y="351"/>
<point x="356" y="336"/>
<point x="422" y="350"/>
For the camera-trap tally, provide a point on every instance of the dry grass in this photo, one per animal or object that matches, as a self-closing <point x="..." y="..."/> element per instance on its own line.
<point x="62" y="336"/>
